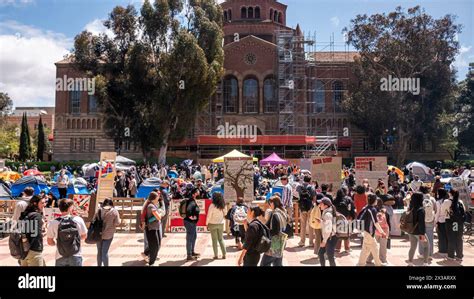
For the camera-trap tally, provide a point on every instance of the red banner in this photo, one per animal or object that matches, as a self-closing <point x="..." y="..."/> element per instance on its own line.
<point x="176" y="222"/>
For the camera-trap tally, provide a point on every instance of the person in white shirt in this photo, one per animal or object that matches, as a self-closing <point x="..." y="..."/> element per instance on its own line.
<point x="66" y="233"/>
<point x="63" y="182"/>
<point x="430" y="207"/>
<point x="215" y="223"/>
<point x="440" y="219"/>
<point x="22" y="203"/>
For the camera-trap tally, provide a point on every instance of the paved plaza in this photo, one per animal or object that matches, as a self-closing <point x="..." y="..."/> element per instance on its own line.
<point x="126" y="249"/>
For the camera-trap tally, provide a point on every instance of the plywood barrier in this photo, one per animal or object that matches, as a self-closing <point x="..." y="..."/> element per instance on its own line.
<point x="6" y="209"/>
<point x="129" y="210"/>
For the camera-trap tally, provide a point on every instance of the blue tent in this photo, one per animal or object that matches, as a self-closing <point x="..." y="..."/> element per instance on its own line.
<point x="36" y="183"/>
<point x="71" y="189"/>
<point x="275" y="190"/>
<point x="147" y="186"/>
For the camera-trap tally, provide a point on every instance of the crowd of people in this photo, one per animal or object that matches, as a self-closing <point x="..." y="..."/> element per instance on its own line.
<point x="330" y="217"/>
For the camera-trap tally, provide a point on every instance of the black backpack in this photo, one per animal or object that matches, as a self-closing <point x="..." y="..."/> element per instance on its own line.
<point x="94" y="234"/>
<point x="457" y="215"/>
<point x="183" y="208"/>
<point x="69" y="240"/>
<point x="306" y="201"/>
<point x="18" y="242"/>
<point x="265" y="241"/>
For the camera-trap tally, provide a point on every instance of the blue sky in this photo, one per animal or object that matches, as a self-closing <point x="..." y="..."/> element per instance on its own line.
<point x="36" y="33"/>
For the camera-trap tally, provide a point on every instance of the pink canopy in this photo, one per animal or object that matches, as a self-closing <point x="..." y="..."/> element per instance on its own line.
<point x="273" y="159"/>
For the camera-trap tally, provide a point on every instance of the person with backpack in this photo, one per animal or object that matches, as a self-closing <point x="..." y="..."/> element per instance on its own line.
<point x="190" y="223"/>
<point x="215" y="223"/>
<point x="417" y="232"/>
<point x="164" y="187"/>
<point x="110" y="219"/>
<point x="429" y="205"/>
<point x="345" y="206"/>
<point x="440" y="219"/>
<point x="66" y="233"/>
<point x="328" y="228"/>
<point x="237" y="215"/>
<point x="22" y="203"/>
<point x="154" y="212"/>
<point x="359" y="198"/>
<point x="33" y="218"/>
<point x="276" y="224"/>
<point x="307" y="195"/>
<point x="256" y="233"/>
<point x="383" y="220"/>
<point x="368" y="218"/>
<point x="455" y="216"/>
<point x="315" y="223"/>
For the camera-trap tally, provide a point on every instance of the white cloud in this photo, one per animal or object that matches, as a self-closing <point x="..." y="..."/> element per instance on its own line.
<point x="335" y="21"/>
<point x="27" y="58"/>
<point x="16" y="2"/>
<point x="97" y="27"/>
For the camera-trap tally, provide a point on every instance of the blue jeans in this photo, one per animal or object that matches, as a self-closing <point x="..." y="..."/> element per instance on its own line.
<point x="270" y="260"/>
<point x="103" y="252"/>
<point x="429" y="231"/>
<point x="191" y="236"/>
<point x="73" y="261"/>
<point x="329" y="250"/>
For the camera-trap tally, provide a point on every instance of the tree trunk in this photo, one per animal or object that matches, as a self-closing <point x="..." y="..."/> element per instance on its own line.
<point x="401" y="147"/>
<point x="164" y="148"/>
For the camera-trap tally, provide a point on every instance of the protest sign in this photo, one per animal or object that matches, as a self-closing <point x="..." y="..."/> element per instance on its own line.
<point x="105" y="187"/>
<point x="238" y="179"/>
<point x="327" y="170"/>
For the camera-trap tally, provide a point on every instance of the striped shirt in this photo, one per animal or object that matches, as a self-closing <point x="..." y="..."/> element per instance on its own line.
<point x="287" y="196"/>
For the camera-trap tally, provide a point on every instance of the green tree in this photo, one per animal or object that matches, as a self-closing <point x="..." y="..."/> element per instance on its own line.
<point x="41" y="144"/>
<point x="154" y="83"/>
<point x="6" y="105"/>
<point x="466" y="111"/>
<point x="411" y="45"/>
<point x="9" y="144"/>
<point x="25" y="142"/>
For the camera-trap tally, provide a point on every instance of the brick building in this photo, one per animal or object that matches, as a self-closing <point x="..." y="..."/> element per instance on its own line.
<point x="275" y="80"/>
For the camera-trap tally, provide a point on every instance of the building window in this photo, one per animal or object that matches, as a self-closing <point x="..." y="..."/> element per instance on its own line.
<point x="243" y="13"/>
<point x="280" y="18"/>
<point x="269" y="95"/>
<point x="92" y="104"/>
<point x="231" y="95"/>
<point x="230" y="14"/>
<point x="338" y="92"/>
<point x="275" y="16"/>
<point x="83" y="124"/>
<point x="75" y="101"/>
<point x="271" y="14"/>
<point x="91" y="144"/>
<point x="257" y="12"/>
<point x="225" y="16"/>
<point x="319" y="102"/>
<point x="68" y="124"/>
<point x="250" y="13"/>
<point x="94" y="124"/>
<point x="71" y="145"/>
<point x="98" y="124"/>
<point x="250" y="94"/>
<point x="88" y="124"/>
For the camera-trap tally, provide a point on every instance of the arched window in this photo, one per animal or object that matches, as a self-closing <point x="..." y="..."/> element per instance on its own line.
<point x="280" y="18"/>
<point x="250" y="94"/>
<point x="94" y="124"/>
<point x="73" y="124"/>
<point x="271" y="14"/>
<point x="229" y="14"/>
<point x="68" y="124"/>
<point x="257" y="12"/>
<point x="98" y="124"/>
<point x="225" y="16"/>
<point x="83" y="126"/>
<point x="338" y="95"/>
<point x="88" y="124"/>
<point x="231" y="95"/>
<point x="250" y="13"/>
<point x="318" y="97"/>
<point x="243" y="13"/>
<point x="275" y="16"/>
<point x="269" y="95"/>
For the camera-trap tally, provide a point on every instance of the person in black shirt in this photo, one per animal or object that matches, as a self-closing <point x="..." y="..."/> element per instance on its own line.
<point x="324" y="193"/>
<point x="190" y="223"/>
<point x="32" y="220"/>
<point x="254" y="232"/>
<point x="203" y="194"/>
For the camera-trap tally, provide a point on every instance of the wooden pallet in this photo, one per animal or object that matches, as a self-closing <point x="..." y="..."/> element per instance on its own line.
<point x="129" y="210"/>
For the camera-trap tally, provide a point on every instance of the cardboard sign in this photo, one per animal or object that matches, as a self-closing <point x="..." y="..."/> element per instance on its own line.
<point x="176" y="222"/>
<point x="371" y="163"/>
<point x="372" y="176"/>
<point x="81" y="205"/>
<point x="51" y="213"/>
<point x="105" y="186"/>
<point x="238" y="179"/>
<point x="327" y="170"/>
<point x="306" y="164"/>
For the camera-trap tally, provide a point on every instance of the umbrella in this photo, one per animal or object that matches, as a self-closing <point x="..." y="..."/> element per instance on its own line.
<point x="32" y="172"/>
<point x="400" y="173"/>
<point x="10" y="176"/>
<point x="232" y="154"/>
